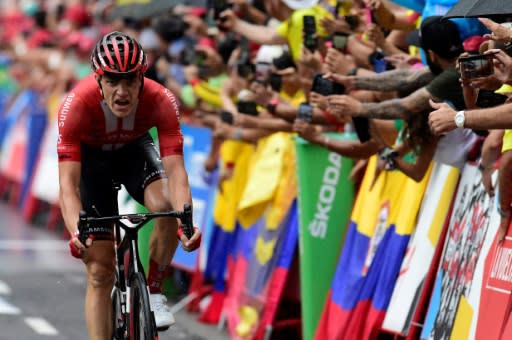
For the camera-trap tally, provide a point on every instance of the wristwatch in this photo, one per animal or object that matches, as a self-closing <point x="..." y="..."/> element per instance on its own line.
<point x="459" y="119"/>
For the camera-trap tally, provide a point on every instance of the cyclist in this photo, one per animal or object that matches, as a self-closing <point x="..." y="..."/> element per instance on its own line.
<point x="103" y="137"/>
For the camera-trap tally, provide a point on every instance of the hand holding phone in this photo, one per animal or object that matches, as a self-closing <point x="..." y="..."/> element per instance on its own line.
<point x="305" y="112"/>
<point x="339" y="41"/>
<point x="309" y="32"/>
<point x="326" y="87"/>
<point x="226" y="117"/>
<point x="476" y="66"/>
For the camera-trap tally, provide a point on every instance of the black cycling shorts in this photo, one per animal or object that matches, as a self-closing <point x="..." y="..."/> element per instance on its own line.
<point x="135" y="166"/>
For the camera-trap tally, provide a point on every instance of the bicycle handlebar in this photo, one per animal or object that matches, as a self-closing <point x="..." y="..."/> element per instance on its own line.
<point x="142" y="218"/>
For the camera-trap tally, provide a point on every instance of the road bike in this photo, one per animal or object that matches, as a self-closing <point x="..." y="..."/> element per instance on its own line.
<point x="133" y="317"/>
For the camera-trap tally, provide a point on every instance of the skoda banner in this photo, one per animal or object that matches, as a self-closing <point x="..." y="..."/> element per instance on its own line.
<point x="325" y="200"/>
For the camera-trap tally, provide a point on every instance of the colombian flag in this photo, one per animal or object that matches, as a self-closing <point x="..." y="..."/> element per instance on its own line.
<point x="259" y="275"/>
<point x="220" y="251"/>
<point x="382" y="221"/>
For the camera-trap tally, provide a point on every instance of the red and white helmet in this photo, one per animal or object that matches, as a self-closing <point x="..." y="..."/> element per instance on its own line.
<point x="118" y="53"/>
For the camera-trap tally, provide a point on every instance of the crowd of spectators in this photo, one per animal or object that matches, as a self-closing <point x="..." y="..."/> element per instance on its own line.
<point x="247" y="70"/>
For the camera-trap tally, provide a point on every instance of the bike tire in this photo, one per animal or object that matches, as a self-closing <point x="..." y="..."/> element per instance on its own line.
<point x="118" y="319"/>
<point x="142" y="320"/>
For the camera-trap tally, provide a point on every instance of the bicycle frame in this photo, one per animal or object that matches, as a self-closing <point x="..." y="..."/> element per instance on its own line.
<point x="127" y="254"/>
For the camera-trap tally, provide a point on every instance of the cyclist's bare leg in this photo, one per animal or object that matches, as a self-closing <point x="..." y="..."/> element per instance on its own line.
<point x="99" y="260"/>
<point x="163" y="241"/>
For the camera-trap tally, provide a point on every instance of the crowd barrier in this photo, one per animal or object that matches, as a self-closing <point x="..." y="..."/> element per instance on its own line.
<point x="301" y="251"/>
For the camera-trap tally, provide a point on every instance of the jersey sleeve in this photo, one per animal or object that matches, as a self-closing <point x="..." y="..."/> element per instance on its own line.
<point x="170" y="137"/>
<point x="70" y="125"/>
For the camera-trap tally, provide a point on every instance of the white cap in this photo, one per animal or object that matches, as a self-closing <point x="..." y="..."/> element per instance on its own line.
<point x="267" y="53"/>
<point x="148" y="39"/>
<point x="300" y="4"/>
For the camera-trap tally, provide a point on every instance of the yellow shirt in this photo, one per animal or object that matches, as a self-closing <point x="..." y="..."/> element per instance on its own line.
<point x="507" y="137"/>
<point x="291" y="29"/>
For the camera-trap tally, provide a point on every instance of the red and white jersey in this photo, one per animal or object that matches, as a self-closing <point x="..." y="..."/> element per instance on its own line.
<point x="84" y="117"/>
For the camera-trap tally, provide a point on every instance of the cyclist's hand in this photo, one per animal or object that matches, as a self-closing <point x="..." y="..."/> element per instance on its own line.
<point x="190" y="244"/>
<point x="75" y="246"/>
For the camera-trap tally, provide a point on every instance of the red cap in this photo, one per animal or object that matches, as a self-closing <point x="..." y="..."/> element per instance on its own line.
<point x="472" y="44"/>
<point x="197" y="11"/>
<point x="207" y="42"/>
<point x="77" y="14"/>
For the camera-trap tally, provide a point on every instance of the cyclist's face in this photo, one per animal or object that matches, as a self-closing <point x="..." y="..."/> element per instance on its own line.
<point x="121" y="94"/>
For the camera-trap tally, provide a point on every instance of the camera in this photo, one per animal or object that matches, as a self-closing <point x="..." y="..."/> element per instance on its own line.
<point x="247" y="107"/>
<point x="309" y="32"/>
<point x="476" y="66"/>
<point x="305" y="112"/>
<point x="326" y="87"/>
<point x="339" y="41"/>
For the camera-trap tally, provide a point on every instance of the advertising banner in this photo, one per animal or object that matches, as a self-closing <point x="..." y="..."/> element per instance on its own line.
<point x="420" y="251"/>
<point x="455" y="300"/>
<point x="325" y="200"/>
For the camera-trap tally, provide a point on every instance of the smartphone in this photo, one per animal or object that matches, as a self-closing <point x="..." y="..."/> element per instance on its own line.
<point x="339" y="41"/>
<point x="305" y="112"/>
<point x="362" y="127"/>
<point x="476" y="66"/>
<point x="218" y="6"/>
<point x="247" y="107"/>
<point x="352" y="20"/>
<point x="275" y="81"/>
<point x="309" y="32"/>
<point x="487" y="98"/>
<point x="262" y="72"/>
<point x="226" y="117"/>
<point x="326" y="87"/>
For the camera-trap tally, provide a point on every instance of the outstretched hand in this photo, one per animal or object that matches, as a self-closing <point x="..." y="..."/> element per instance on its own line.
<point x="442" y="120"/>
<point x="343" y="105"/>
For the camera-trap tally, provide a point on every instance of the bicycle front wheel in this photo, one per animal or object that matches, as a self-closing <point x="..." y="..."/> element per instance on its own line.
<point x="142" y="320"/>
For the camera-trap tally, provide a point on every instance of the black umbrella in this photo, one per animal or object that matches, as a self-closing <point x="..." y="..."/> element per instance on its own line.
<point x="480" y="8"/>
<point x="141" y="9"/>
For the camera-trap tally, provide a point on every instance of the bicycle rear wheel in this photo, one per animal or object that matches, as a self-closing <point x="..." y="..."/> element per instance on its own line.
<point x="142" y="320"/>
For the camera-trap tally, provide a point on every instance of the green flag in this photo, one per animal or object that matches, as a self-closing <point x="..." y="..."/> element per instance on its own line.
<point x="325" y="201"/>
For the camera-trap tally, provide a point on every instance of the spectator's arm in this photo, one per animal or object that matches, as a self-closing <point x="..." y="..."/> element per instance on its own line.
<point x="415" y="103"/>
<point x="491" y="151"/>
<point x="395" y="80"/>
<point x="259" y="34"/>
<point x="505" y="178"/>
<point x="417" y="170"/>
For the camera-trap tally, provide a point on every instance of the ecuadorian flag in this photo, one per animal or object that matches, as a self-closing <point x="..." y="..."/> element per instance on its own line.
<point x="382" y="221"/>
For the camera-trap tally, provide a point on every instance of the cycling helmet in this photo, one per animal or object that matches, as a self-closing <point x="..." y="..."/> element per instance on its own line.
<point x="118" y="53"/>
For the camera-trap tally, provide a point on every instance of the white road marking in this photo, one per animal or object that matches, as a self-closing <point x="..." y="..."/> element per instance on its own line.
<point x="4" y="288"/>
<point x="41" y="326"/>
<point x="33" y="245"/>
<point x="7" y="308"/>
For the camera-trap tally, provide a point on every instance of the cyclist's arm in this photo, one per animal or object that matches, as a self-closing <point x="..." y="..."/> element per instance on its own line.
<point x="179" y="189"/>
<point x="69" y="194"/>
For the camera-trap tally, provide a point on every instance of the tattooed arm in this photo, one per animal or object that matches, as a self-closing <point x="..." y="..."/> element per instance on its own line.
<point x="396" y="80"/>
<point x="416" y="102"/>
